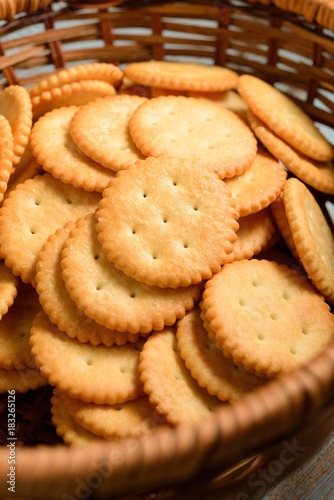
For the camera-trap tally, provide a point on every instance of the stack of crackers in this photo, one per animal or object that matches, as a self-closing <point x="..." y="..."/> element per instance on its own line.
<point x="128" y="228"/>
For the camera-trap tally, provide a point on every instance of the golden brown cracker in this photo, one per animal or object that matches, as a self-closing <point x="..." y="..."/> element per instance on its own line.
<point x="272" y="322"/>
<point x="32" y="212"/>
<point x="169" y="384"/>
<point x="53" y="147"/>
<point x="109" y="296"/>
<point x="107" y="374"/>
<point x="170" y="226"/>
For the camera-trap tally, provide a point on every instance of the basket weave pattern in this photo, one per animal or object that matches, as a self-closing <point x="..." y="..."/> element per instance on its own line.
<point x="284" y="42"/>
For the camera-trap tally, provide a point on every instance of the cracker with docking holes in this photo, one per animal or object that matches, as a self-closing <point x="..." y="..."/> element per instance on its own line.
<point x="16" y="107"/>
<point x="70" y="94"/>
<point x="170" y="226"/>
<point x="207" y="364"/>
<point x="66" y="427"/>
<point x="97" y="71"/>
<point x="131" y="418"/>
<point x="53" y="147"/>
<point x="27" y="379"/>
<point x="8" y="288"/>
<point x="169" y="383"/>
<point x="196" y="130"/>
<point x="100" y="129"/>
<point x="254" y="234"/>
<point x="15" y="352"/>
<point x="259" y="186"/>
<point x="107" y="374"/>
<point x="57" y="302"/>
<point x="6" y="155"/>
<point x="272" y="322"/>
<point x="32" y="212"/>
<point x="312" y="236"/>
<point x="317" y="174"/>
<point x="182" y="76"/>
<point x="109" y="296"/>
<point x="284" y="118"/>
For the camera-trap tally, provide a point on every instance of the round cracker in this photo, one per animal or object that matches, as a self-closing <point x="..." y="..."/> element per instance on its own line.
<point x="170" y="226"/>
<point x="6" y="154"/>
<point x="97" y="71"/>
<point x="207" y="364"/>
<point x="76" y="94"/>
<point x="278" y="210"/>
<point x="284" y="118"/>
<point x="32" y="212"/>
<point x="109" y="296"/>
<point x="66" y="427"/>
<point x="15" y="350"/>
<point x="57" y="302"/>
<point x="318" y="175"/>
<point x="8" y="288"/>
<point x="272" y="322"/>
<point x="16" y="107"/>
<point x="27" y="379"/>
<point x="228" y="99"/>
<point x="106" y="374"/>
<point x="101" y="130"/>
<point x="254" y="234"/>
<point x="52" y="145"/>
<point x="181" y="76"/>
<point x="312" y="236"/>
<point x="30" y="170"/>
<point x="257" y="188"/>
<point x="121" y="420"/>
<point x="196" y="130"/>
<point x="169" y="384"/>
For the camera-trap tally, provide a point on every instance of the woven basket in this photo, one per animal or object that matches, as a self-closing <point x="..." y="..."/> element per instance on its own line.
<point x="288" y="42"/>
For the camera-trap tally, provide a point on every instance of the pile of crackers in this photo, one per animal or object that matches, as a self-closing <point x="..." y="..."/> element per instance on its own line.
<point x="143" y="216"/>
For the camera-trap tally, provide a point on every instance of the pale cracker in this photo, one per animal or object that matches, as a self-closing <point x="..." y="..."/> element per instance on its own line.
<point x="318" y="175"/>
<point x="27" y="379"/>
<point x="170" y="226"/>
<point x="30" y="170"/>
<point x="194" y="129"/>
<point x="32" y="212"/>
<point x="272" y="322"/>
<point x="109" y="296"/>
<point x="70" y="94"/>
<point x="132" y="418"/>
<point x="181" y="76"/>
<point x="169" y="384"/>
<point x="259" y="186"/>
<point x="97" y="71"/>
<point x="284" y="118"/>
<point x="101" y="130"/>
<point x="53" y="147"/>
<point x="59" y="306"/>
<point x="254" y="233"/>
<point x="14" y="330"/>
<point x="106" y="374"/>
<point x="207" y="364"/>
<point x="312" y="236"/>
<point x="15" y="105"/>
